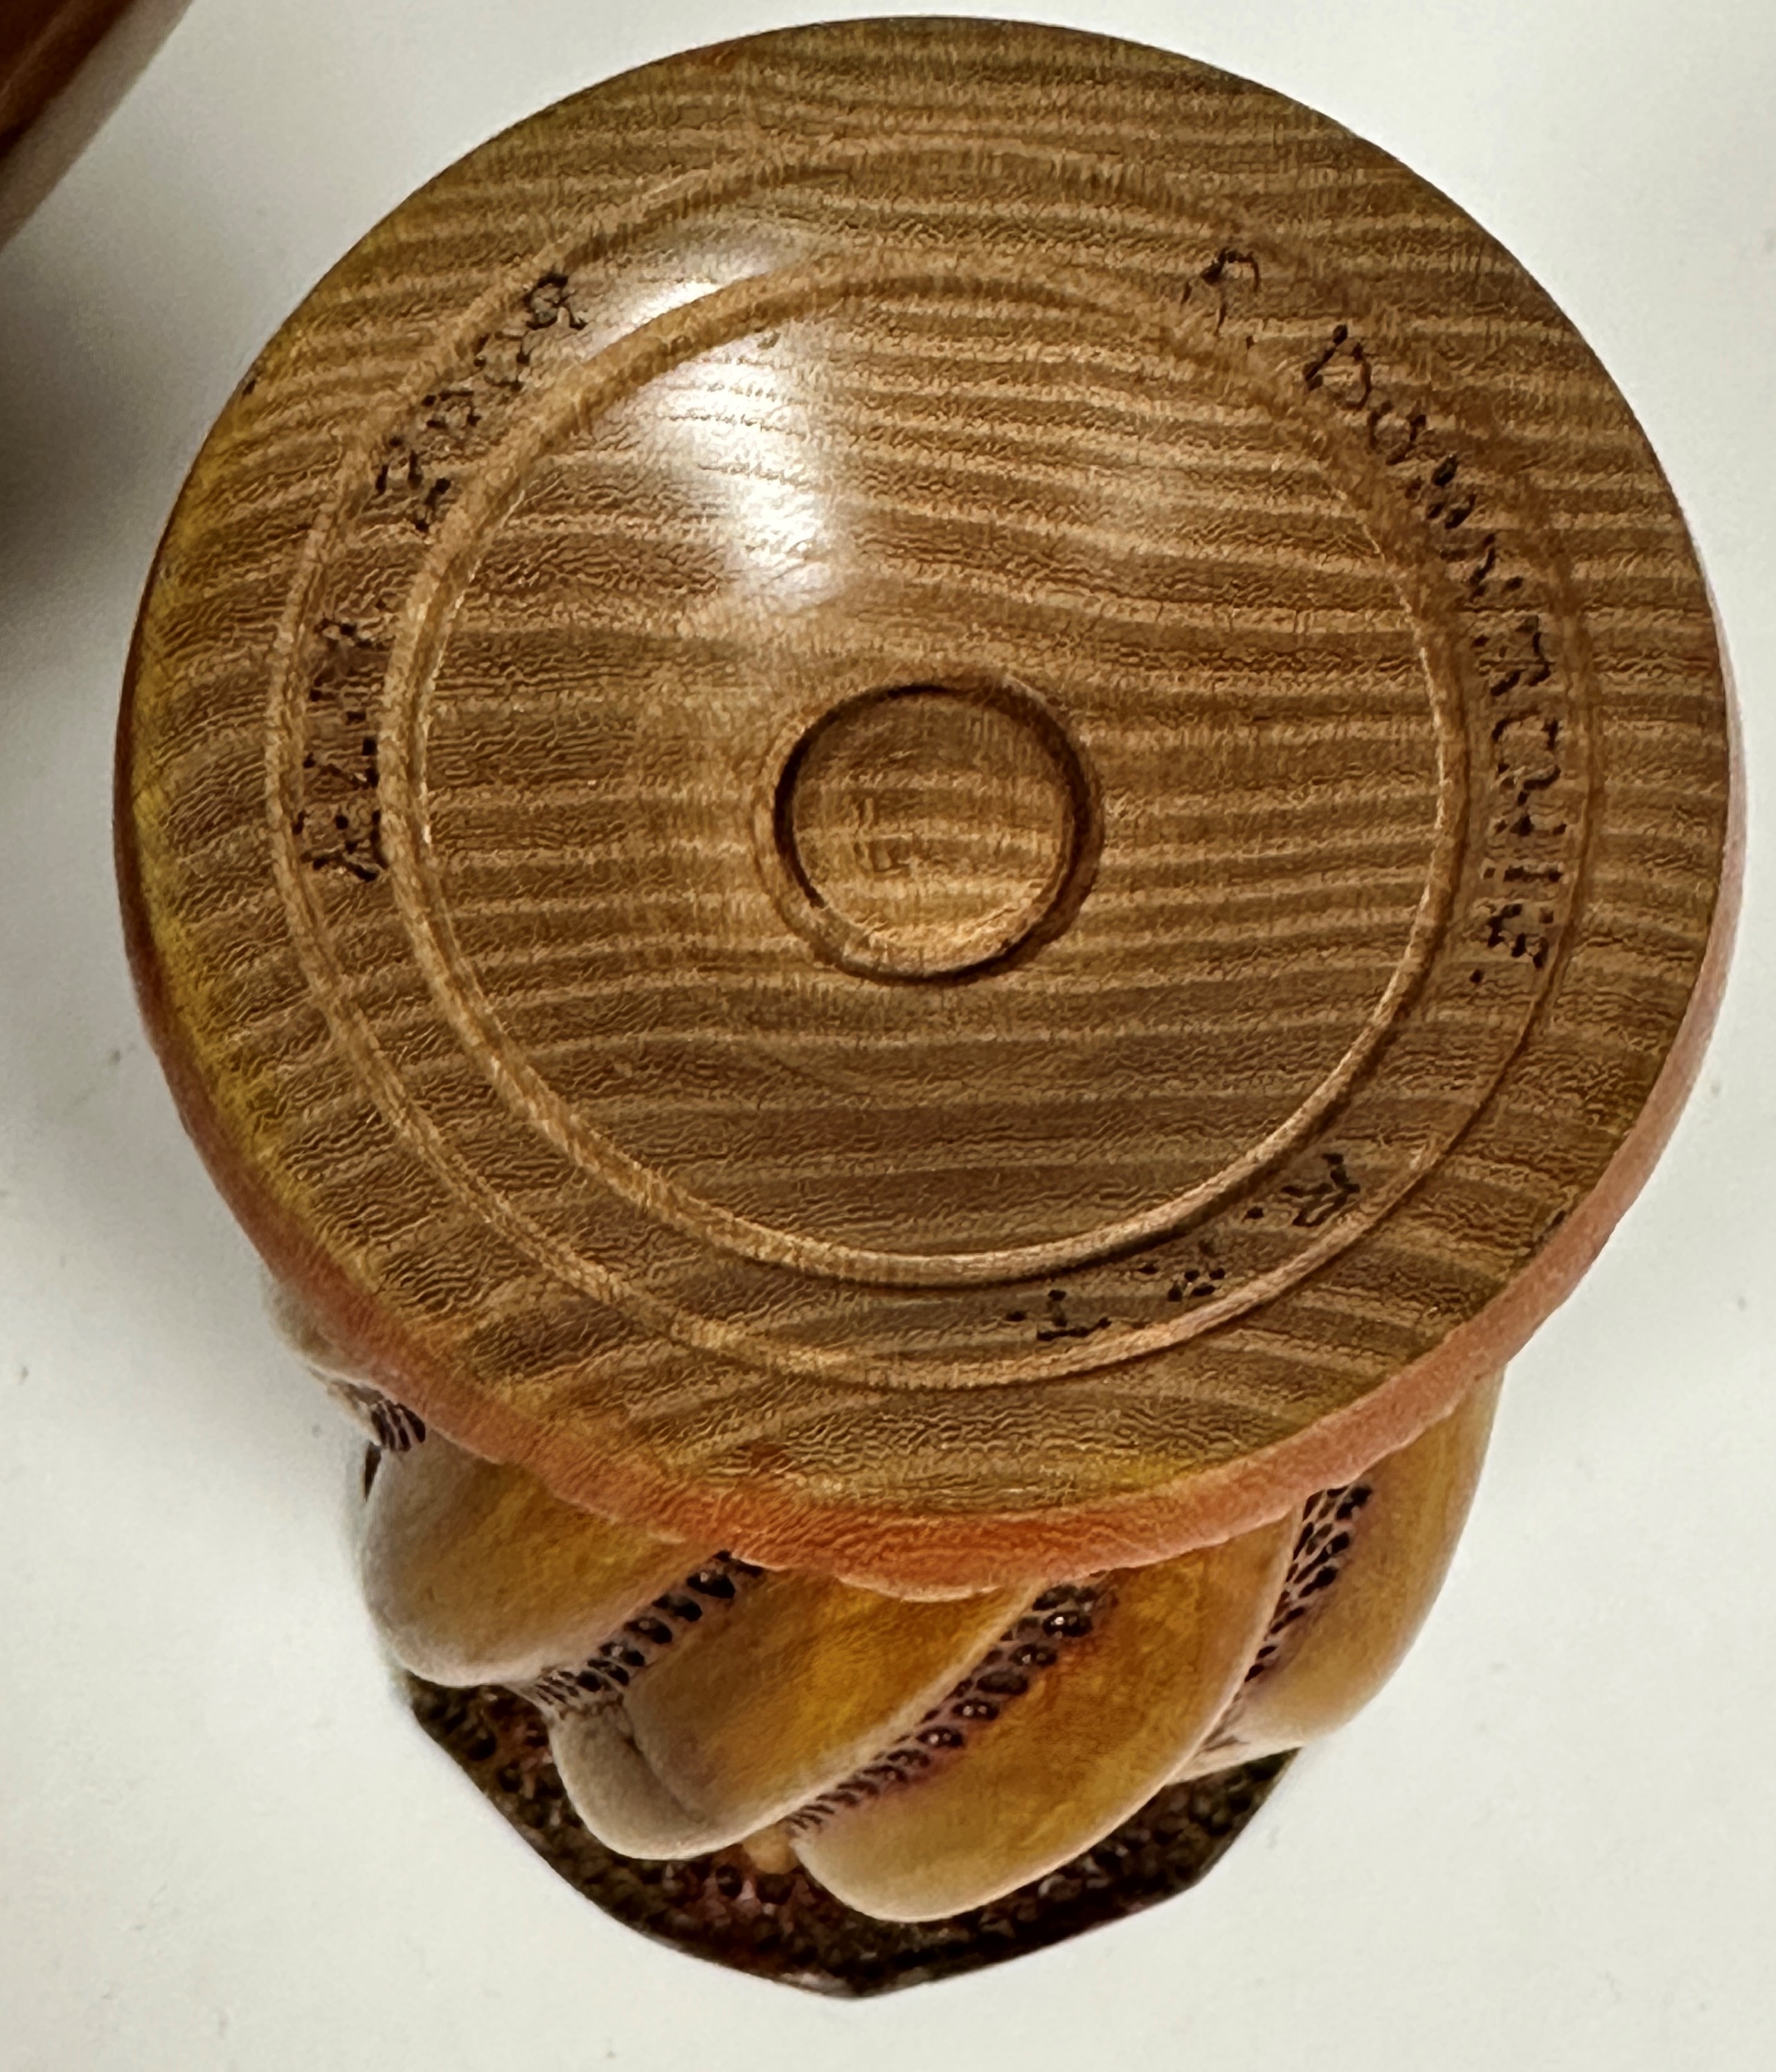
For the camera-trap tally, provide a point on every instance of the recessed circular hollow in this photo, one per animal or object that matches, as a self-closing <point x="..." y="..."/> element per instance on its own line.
<point x="928" y="832"/>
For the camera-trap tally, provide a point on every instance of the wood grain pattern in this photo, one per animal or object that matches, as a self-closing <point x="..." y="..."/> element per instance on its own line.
<point x="941" y="798"/>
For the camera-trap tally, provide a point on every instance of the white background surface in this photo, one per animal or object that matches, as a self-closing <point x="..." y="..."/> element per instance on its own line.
<point x="1552" y="1843"/>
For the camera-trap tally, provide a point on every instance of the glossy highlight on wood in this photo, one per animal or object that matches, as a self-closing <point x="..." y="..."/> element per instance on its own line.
<point x="919" y="1759"/>
<point x="931" y="797"/>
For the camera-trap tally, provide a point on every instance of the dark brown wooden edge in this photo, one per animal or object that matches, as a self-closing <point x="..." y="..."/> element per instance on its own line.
<point x="65" y="65"/>
<point x="782" y="1925"/>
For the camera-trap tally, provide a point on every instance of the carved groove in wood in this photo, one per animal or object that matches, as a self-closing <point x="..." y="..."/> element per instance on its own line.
<point x="921" y="775"/>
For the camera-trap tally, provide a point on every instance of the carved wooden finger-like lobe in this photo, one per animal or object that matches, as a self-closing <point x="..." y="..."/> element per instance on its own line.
<point x="475" y="1574"/>
<point x="1072" y="1727"/>
<point x="745" y="1712"/>
<point x="1368" y="1559"/>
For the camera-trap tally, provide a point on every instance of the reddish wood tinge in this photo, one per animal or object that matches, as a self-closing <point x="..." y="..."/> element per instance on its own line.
<point x="940" y="799"/>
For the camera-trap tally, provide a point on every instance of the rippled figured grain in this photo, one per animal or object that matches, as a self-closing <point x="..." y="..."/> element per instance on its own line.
<point x="943" y="799"/>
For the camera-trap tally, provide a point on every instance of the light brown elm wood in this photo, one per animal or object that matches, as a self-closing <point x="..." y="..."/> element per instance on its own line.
<point x="935" y="798"/>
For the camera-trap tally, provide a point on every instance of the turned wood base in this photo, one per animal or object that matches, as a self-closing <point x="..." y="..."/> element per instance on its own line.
<point x="781" y="1924"/>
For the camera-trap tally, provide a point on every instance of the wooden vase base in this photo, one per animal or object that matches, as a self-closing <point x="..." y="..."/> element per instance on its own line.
<point x="781" y="1924"/>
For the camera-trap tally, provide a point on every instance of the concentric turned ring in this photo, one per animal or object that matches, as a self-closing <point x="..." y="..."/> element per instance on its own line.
<point x="926" y="831"/>
<point x="938" y="798"/>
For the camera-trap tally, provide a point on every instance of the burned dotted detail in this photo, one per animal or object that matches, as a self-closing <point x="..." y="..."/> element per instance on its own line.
<point x="391" y="1426"/>
<point x="615" y="1662"/>
<point x="1318" y="1194"/>
<point x="1032" y="1644"/>
<point x="782" y="1925"/>
<point x="1327" y="1533"/>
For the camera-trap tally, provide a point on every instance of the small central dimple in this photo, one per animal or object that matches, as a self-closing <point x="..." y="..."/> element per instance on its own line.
<point x="928" y="831"/>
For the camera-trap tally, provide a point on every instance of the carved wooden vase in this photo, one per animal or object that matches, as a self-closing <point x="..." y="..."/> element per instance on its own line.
<point x="926" y="815"/>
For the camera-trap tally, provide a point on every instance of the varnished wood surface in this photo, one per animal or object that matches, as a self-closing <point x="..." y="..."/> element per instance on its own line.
<point x="63" y="65"/>
<point x="933" y="797"/>
<point x="781" y="1924"/>
<point x="43" y="44"/>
